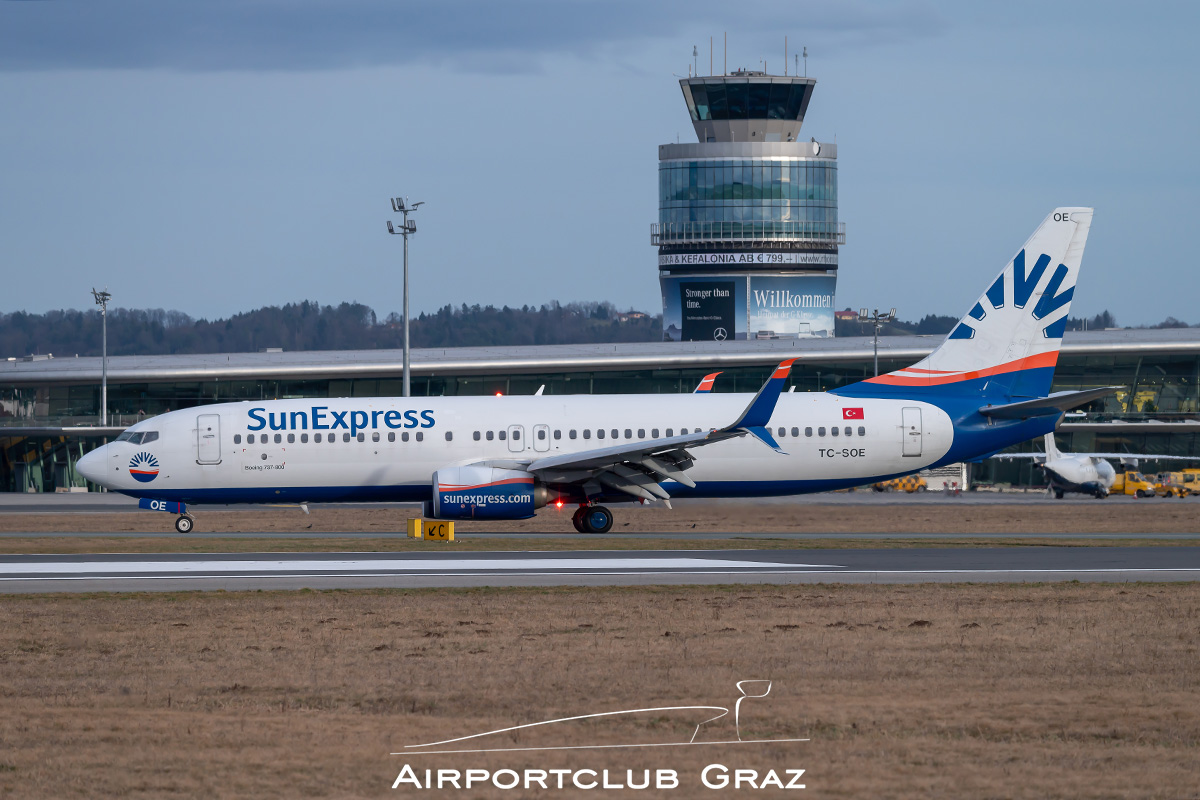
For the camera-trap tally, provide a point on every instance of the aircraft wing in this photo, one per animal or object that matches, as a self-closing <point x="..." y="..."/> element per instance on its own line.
<point x="1050" y="406"/>
<point x="1042" y="456"/>
<point x="637" y="468"/>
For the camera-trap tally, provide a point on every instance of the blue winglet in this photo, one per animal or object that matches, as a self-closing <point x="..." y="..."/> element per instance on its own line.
<point x="758" y="413"/>
<point x="764" y="436"/>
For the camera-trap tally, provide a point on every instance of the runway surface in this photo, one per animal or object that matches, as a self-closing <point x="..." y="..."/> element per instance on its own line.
<point x="173" y="572"/>
<point x="105" y="502"/>
<point x="696" y="535"/>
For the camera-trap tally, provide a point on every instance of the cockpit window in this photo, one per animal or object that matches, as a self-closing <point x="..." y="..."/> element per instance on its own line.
<point x="140" y="437"/>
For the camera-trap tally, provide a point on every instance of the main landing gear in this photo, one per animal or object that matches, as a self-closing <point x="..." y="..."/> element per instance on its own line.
<point x="592" y="519"/>
<point x="184" y="523"/>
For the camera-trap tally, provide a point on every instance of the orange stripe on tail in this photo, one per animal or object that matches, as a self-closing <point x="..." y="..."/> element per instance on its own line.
<point x="1032" y="362"/>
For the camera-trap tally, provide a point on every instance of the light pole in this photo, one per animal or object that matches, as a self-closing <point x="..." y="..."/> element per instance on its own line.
<point x="878" y="320"/>
<point x="102" y="299"/>
<point x="400" y="206"/>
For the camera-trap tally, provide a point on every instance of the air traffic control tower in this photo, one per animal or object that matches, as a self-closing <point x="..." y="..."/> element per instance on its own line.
<point x="748" y="229"/>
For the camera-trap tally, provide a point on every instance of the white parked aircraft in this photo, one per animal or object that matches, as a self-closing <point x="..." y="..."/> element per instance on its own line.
<point x="1084" y="473"/>
<point x="1087" y="473"/>
<point x="982" y="390"/>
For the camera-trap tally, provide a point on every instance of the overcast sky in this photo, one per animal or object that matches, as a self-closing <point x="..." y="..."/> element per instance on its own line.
<point x="220" y="156"/>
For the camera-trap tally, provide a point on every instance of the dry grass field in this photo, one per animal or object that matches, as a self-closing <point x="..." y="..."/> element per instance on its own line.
<point x="1034" y="691"/>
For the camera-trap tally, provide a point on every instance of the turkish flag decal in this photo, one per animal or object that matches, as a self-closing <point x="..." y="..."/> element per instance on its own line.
<point x="852" y="413"/>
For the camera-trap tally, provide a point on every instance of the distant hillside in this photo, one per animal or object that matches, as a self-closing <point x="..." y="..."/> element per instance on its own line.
<point x="311" y="326"/>
<point x="354" y="326"/>
<point x="935" y="324"/>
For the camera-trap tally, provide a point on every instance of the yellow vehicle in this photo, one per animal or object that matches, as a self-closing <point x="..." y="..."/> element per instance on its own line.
<point x="908" y="483"/>
<point x="1132" y="483"/>
<point x="1190" y="478"/>
<point x="1172" y="484"/>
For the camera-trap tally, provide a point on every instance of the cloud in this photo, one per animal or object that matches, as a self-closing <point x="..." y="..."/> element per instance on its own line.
<point x="471" y="35"/>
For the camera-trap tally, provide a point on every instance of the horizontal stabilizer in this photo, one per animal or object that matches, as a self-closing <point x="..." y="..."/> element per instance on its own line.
<point x="1050" y="406"/>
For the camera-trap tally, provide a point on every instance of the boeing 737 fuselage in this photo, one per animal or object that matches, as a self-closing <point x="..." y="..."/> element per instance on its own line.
<point x="985" y="388"/>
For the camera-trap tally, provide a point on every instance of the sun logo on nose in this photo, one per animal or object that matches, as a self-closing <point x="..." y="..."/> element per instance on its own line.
<point x="143" y="467"/>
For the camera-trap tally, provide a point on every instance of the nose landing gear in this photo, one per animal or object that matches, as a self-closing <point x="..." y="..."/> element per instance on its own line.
<point x="184" y="523"/>
<point x="592" y="519"/>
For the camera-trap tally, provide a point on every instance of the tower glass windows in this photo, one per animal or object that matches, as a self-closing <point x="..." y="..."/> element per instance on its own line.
<point x="779" y="198"/>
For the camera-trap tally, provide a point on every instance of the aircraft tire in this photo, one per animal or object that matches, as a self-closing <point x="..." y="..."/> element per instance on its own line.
<point x="577" y="519"/>
<point x="1058" y="495"/>
<point x="184" y="523"/>
<point x="1100" y="495"/>
<point x="597" y="519"/>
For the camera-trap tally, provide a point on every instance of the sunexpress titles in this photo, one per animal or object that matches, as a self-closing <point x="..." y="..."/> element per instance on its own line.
<point x="323" y="418"/>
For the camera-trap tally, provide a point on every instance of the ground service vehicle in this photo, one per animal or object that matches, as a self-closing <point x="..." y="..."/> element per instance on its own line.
<point x="909" y="483"/>
<point x="1171" y="484"/>
<point x="1132" y="483"/>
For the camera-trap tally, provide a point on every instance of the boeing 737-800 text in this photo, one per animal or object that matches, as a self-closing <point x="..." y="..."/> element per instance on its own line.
<point x="984" y="389"/>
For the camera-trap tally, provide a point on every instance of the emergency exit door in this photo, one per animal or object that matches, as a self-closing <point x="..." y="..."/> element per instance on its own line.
<point x="911" y="418"/>
<point x="208" y="439"/>
<point x="516" y="438"/>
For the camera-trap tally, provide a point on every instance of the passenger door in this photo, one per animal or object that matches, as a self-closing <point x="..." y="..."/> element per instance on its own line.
<point x="208" y="439"/>
<point x="911" y="431"/>
<point x="541" y="438"/>
<point x="516" y="438"/>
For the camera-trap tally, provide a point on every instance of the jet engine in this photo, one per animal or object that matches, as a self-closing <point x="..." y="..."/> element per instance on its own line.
<point x="486" y="493"/>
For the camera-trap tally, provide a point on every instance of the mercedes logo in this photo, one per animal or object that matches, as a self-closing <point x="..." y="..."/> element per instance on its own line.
<point x="720" y="334"/>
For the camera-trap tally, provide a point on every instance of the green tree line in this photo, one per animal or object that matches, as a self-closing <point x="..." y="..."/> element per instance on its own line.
<point x="311" y="326"/>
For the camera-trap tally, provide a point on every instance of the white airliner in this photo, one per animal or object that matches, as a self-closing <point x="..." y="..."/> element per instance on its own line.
<point x="1084" y="473"/>
<point x="984" y="389"/>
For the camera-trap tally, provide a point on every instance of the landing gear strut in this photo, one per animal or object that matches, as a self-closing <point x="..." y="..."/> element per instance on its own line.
<point x="592" y="519"/>
<point x="184" y="523"/>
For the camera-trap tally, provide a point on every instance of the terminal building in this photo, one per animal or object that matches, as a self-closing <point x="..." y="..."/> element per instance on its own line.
<point x="748" y="228"/>
<point x="49" y="407"/>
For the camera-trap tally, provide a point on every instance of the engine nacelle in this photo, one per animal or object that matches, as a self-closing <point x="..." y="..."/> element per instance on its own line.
<point x="485" y="493"/>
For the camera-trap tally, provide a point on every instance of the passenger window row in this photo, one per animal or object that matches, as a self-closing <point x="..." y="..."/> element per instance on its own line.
<point x="601" y="433"/>
<point x="317" y="438"/>
<point x="833" y="431"/>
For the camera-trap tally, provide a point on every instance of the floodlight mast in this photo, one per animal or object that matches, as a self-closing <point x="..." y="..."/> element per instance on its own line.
<point x="878" y="320"/>
<point x="102" y="299"/>
<point x="400" y="206"/>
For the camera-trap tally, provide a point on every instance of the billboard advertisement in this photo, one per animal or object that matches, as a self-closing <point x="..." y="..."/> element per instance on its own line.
<point x="704" y="309"/>
<point x="790" y="306"/>
<point x="720" y="307"/>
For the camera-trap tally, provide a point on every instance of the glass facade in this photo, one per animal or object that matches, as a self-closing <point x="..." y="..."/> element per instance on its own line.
<point x="1164" y="387"/>
<point x="732" y="99"/>
<point x="774" y="198"/>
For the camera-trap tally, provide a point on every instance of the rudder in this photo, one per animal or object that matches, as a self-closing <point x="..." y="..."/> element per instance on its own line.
<point x="1007" y="345"/>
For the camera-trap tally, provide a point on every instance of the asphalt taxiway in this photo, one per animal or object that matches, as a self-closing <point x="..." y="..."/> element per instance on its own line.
<point x="684" y="535"/>
<point x="107" y="502"/>
<point x="234" y="571"/>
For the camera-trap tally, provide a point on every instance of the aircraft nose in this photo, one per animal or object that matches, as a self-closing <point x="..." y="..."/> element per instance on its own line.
<point x="92" y="465"/>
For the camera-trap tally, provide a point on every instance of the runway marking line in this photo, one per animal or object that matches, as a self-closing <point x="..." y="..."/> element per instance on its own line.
<point x="881" y="572"/>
